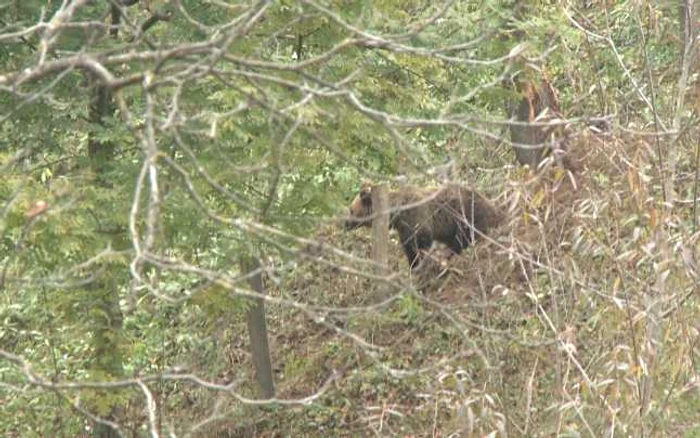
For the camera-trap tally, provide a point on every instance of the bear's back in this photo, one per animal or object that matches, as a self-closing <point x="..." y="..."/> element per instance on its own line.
<point x="456" y="204"/>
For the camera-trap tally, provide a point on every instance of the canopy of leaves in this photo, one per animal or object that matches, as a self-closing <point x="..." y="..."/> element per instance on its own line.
<point x="147" y="147"/>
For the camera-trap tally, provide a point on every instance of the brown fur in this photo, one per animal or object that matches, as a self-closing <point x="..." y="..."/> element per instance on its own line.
<point x="421" y="216"/>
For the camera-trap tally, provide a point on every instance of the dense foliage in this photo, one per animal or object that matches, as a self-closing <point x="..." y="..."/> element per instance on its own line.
<point x="143" y="159"/>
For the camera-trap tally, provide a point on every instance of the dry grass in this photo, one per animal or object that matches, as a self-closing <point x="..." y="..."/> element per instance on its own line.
<point x="577" y="317"/>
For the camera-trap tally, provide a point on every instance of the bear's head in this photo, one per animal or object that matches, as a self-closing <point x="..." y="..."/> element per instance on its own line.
<point x="361" y="209"/>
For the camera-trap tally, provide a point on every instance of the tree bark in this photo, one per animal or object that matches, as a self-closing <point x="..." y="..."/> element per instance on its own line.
<point x="535" y="95"/>
<point x="257" y="329"/>
<point x="380" y="227"/>
<point x="534" y="100"/>
<point x="688" y="17"/>
<point x="107" y="332"/>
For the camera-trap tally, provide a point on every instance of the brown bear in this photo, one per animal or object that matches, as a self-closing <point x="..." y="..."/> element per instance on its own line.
<point x="451" y="214"/>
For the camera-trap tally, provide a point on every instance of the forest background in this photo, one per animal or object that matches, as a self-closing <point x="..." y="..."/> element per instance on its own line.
<point x="170" y="170"/>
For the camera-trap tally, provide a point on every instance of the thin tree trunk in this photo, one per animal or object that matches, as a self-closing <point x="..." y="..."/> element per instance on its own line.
<point x="107" y="332"/>
<point x="535" y="94"/>
<point x="380" y="227"/>
<point x="257" y="329"/>
<point x="533" y="101"/>
<point x="688" y="18"/>
<point x="380" y="237"/>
